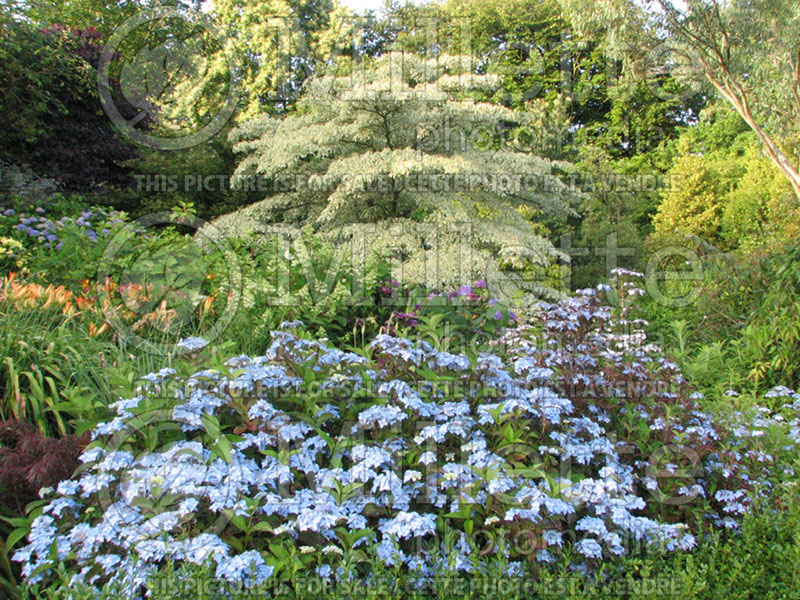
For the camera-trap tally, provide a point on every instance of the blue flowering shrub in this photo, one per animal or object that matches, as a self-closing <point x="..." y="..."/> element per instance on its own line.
<point x="44" y="225"/>
<point x="54" y="246"/>
<point x="572" y="441"/>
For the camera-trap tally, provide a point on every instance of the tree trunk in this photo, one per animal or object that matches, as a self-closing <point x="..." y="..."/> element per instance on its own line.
<point x="738" y="98"/>
<point x="726" y="83"/>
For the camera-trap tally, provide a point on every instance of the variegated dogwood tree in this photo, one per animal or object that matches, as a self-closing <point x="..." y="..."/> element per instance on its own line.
<point x="399" y="150"/>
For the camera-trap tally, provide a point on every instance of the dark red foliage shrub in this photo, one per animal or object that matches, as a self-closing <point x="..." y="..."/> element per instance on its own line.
<point x="50" y="111"/>
<point x="29" y="461"/>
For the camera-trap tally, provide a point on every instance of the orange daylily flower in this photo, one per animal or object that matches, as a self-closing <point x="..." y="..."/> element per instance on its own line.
<point x="207" y="304"/>
<point x="83" y="303"/>
<point x="94" y="331"/>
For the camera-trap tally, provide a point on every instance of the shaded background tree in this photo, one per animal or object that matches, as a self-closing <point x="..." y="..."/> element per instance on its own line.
<point x="50" y="111"/>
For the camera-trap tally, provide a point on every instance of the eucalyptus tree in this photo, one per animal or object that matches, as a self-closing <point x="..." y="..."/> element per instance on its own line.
<point x="748" y="51"/>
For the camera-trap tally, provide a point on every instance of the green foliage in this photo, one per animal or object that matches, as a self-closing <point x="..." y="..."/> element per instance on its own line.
<point x="57" y="376"/>
<point x="50" y="109"/>
<point x="462" y="321"/>
<point x="761" y="562"/>
<point x="300" y="275"/>
<point x="12" y="255"/>
<point x="72" y="257"/>
<point x="741" y="332"/>
<point x="723" y="190"/>
<point x="280" y="44"/>
<point x="34" y="64"/>
<point x="692" y="205"/>
<point x="199" y="175"/>
<point x="72" y="343"/>
<point x="772" y="337"/>
<point x="91" y="13"/>
<point x="542" y="63"/>
<point x="747" y="52"/>
<point x="610" y="214"/>
<point x="761" y="210"/>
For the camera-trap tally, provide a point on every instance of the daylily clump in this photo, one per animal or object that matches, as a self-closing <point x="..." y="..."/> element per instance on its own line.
<point x="573" y="436"/>
<point x="96" y="306"/>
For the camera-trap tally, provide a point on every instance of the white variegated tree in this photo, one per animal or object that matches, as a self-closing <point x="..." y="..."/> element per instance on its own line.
<point x="400" y="149"/>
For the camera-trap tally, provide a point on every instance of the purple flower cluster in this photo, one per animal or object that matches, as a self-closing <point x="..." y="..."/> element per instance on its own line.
<point x="94" y="224"/>
<point x="390" y="288"/>
<point x="465" y="291"/>
<point x="471" y="301"/>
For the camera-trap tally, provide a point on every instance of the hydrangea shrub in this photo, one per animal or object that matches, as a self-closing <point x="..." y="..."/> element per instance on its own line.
<point x="93" y="224"/>
<point x="574" y="437"/>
